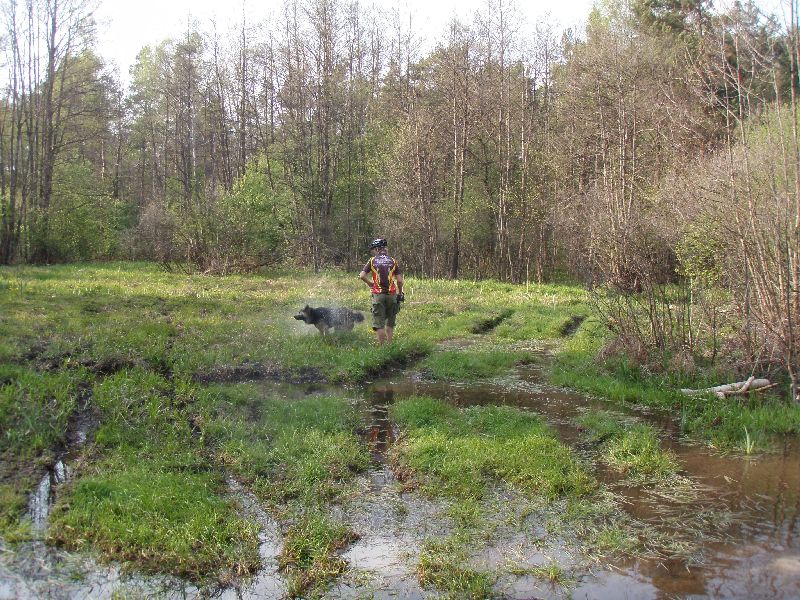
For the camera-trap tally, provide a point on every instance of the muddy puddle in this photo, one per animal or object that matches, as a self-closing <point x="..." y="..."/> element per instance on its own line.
<point x="744" y="518"/>
<point x="749" y="549"/>
<point x="751" y="505"/>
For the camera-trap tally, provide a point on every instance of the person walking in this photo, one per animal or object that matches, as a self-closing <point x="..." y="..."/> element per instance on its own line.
<point x="383" y="276"/>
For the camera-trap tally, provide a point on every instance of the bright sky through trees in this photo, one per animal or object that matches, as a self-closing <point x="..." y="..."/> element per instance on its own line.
<point x="125" y="27"/>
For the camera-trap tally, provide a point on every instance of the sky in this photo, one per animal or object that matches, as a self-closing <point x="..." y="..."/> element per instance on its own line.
<point x="126" y="26"/>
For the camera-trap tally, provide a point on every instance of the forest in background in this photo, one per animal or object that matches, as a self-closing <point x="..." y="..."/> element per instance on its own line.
<point x="653" y="156"/>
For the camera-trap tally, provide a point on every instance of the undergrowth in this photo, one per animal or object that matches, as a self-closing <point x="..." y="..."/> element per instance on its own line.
<point x="741" y="424"/>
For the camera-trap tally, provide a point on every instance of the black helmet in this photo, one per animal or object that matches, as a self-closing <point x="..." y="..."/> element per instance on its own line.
<point x="378" y="243"/>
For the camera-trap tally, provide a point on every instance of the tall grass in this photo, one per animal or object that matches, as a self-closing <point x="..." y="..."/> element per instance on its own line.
<point x="718" y="422"/>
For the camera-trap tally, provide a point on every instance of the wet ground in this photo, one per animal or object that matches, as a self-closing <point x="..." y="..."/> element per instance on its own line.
<point x="746" y="509"/>
<point x="750" y="505"/>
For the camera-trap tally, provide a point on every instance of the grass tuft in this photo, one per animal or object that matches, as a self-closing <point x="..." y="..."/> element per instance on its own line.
<point x="443" y="564"/>
<point x="310" y="552"/>
<point x="467" y="365"/>
<point x="633" y="449"/>
<point x="13" y="503"/>
<point x="162" y="520"/>
<point x="462" y="452"/>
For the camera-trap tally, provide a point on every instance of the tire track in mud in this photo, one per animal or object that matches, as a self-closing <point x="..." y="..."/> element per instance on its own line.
<point x="392" y="526"/>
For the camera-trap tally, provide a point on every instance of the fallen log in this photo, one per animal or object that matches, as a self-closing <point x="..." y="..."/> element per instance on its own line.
<point x="729" y="389"/>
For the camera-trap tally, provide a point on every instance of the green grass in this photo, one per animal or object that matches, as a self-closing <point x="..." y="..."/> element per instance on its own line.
<point x="546" y="318"/>
<point x="13" y="504"/>
<point x="151" y="495"/>
<point x="299" y="456"/>
<point x="299" y="450"/>
<point x="135" y="341"/>
<point x="634" y="449"/>
<point x="443" y="564"/>
<point x="104" y="316"/>
<point x="35" y="408"/>
<point x="638" y="454"/>
<point x="462" y="453"/>
<point x="310" y="552"/>
<point x="552" y="573"/>
<point x="467" y="365"/>
<point x="148" y="352"/>
<point x="719" y="422"/>
<point x="494" y="465"/>
<point x="159" y="518"/>
<point x="465" y="456"/>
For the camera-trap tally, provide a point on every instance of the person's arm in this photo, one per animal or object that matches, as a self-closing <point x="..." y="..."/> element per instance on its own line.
<point x="399" y="279"/>
<point x="366" y="278"/>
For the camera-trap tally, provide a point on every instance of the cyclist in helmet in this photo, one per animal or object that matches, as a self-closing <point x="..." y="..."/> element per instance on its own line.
<point x="383" y="276"/>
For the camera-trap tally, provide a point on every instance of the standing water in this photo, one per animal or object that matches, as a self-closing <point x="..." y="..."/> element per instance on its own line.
<point x="753" y="554"/>
<point x="42" y="498"/>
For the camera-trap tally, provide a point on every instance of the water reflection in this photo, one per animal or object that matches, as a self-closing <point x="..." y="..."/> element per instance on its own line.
<point x="754" y="554"/>
<point x="381" y="434"/>
<point x="41" y="501"/>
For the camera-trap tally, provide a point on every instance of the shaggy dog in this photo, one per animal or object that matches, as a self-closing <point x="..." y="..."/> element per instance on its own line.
<point x="324" y="318"/>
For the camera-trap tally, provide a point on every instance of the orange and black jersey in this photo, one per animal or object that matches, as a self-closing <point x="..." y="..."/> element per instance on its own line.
<point x="384" y="270"/>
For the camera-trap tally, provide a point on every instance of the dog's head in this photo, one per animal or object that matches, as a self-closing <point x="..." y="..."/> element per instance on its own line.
<point x="304" y="314"/>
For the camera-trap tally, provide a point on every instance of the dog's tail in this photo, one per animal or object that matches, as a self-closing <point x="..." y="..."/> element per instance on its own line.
<point x="357" y="316"/>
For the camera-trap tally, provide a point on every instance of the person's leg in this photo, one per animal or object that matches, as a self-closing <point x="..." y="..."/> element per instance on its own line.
<point x="379" y="318"/>
<point x="392" y="308"/>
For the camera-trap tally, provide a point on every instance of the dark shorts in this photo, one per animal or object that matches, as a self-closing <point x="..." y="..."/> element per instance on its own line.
<point x="384" y="310"/>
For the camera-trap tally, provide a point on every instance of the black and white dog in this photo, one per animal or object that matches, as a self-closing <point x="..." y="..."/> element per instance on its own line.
<point x="324" y="318"/>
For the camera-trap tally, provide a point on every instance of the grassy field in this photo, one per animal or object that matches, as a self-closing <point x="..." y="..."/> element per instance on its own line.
<point x="153" y="364"/>
<point x="157" y="368"/>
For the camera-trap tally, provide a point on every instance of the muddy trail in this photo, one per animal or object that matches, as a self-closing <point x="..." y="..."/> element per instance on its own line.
<point x="744" y="522"/>
<point x="751" y="548"/>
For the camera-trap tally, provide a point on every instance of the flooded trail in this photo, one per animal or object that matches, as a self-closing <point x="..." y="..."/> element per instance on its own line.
<point x="750" y="550"/>
<point x="754" y="551"/>
<point x="42" y="499"/>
